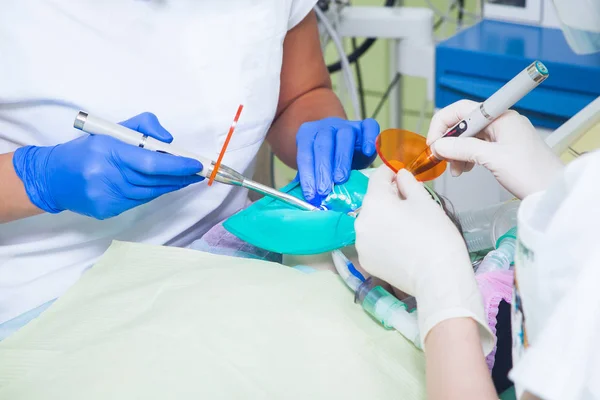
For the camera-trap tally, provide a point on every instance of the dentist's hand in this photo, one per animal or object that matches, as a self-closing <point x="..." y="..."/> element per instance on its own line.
<point x="329" y="149"/>
<point x="404" y="237"/>
<point x="101" y="177"/>
<point x="511" y="149"/>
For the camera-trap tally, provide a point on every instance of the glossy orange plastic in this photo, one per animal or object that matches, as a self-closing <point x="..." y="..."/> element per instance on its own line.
<point x="224" y="148"/>
<point x="399" y="148"/>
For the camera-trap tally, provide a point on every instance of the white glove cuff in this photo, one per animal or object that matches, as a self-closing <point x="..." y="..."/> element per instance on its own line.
<point x="487" y="338"/>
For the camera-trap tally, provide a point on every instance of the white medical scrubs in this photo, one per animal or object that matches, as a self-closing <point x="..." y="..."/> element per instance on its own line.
<point x="191" y="62"/>
<point x="556" y="305"/>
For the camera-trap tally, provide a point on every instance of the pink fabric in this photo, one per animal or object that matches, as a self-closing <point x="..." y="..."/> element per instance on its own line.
<point x="495" y="286"/>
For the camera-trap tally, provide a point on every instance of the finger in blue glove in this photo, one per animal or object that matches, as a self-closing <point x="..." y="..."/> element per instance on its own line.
<point x="147" y="123"/>
<point x="328" y="149"/>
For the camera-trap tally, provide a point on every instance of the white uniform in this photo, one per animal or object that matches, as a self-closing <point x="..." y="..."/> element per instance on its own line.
<point x="556" y="312"/>
<point x="191" y="62"/>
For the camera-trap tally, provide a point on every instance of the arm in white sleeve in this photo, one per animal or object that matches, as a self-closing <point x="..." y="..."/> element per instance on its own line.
<point x="564" y="362"/>
<point x="299" y="9"/>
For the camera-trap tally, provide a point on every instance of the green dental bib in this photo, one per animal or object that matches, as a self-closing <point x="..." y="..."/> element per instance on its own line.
<point x="275" y="226"/>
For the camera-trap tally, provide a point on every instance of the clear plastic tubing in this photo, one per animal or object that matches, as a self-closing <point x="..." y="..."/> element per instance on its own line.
<point x="386" y="309"/>
<point x="482" y="228"/>
<point x="504" y="255"/>
<point x="342" y="267"/>
<point x="474" y="220"/>
<point x="478" y="240"/>
<point x="380" y="304"/>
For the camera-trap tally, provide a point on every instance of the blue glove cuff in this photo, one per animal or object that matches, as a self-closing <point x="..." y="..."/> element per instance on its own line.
<point x="30" y="165"/>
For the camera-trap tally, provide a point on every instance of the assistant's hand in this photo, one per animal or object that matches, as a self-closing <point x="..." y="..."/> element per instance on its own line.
<point x="101" y="177"/>
<point x="511" y="149"/>
<point x="404" y="237"/>
<point x="328" y="149"/>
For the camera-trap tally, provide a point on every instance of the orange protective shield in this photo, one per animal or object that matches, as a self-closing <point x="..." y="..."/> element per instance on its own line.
<point x="398" y="148"/>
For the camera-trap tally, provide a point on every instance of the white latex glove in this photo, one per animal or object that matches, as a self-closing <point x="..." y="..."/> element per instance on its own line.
<point x="511" y="149"/>
<point x="404" y="237"/>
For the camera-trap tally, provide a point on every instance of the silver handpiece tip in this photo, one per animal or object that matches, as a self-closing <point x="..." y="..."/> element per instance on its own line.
<point x="538" y="72"/>
<point x="80" y="120"/>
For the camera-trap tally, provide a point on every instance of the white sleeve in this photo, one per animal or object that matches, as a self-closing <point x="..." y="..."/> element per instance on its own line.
<point x="563" y="363"/>
<point x="299" y="10"/>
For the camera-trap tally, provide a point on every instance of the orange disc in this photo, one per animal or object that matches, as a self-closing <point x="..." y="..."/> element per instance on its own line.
<point x="398" y="148"/>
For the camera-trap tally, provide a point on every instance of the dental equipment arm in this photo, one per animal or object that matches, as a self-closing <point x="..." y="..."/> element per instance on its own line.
<point x="96" y="126"/>
<point x="577" y="126"/>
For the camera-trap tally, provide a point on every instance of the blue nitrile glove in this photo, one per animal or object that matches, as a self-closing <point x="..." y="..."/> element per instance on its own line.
<point x="101" y="177"/>
<point x="328" y="149"/>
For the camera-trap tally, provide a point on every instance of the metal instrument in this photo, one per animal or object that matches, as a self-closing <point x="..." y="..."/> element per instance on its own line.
<point x="96" y="126"/>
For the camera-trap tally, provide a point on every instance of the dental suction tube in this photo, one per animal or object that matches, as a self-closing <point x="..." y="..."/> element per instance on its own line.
<point x="97" y="126"/>
<point x="483" y="115"/>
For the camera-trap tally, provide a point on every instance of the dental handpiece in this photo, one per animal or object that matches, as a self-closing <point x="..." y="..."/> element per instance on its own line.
<point x="97" y="126"/>
<point x="483" y="115"/>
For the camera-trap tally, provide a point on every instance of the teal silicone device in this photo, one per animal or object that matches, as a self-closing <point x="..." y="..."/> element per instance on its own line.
<point x="278" y="227"/>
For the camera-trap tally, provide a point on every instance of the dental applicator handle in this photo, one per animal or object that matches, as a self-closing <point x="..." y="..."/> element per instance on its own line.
<point x="483" y="115"/>
<point x="498" y="103"/>
<point x="97" y="126"/>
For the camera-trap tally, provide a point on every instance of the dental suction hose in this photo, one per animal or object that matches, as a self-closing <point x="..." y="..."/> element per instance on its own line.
<point x="342" y="266"/>
<point x="503" y="256"/>
<point x="483" y="227"/>
<point x="386" y="309"/>
<point x="380" y="304"/>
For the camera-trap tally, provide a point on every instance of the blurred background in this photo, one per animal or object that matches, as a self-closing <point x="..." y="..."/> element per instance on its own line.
<point x="408" y="101"/>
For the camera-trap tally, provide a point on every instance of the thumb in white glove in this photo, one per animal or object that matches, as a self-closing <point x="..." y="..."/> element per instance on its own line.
<point x="404" y="237"/>
<point x="511" y="149"/>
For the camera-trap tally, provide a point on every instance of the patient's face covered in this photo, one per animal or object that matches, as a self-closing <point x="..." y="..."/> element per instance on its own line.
<point x="278" y="227"/>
